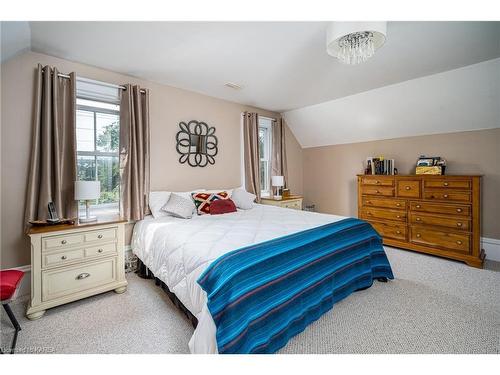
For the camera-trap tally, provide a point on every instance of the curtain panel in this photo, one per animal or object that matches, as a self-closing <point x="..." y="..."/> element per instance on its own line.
<point x="251" y="153"/>
<point x="53" y="150"/>
<point x="278" y="159"/>
<point x="134" y="152"/>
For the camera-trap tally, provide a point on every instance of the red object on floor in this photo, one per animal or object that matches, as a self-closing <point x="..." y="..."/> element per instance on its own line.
<point x="222" y="206"/>
<point x="9" y="280"/>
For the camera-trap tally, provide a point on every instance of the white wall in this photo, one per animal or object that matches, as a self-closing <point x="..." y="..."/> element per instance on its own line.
<point x="463" y="99"/>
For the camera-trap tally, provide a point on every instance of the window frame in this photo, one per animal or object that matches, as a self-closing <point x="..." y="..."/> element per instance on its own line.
<point x="96" y="153"/>
<point x="267" y="125"/>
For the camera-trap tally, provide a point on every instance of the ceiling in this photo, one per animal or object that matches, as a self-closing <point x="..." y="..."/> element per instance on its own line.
<point x="281" y="65"/>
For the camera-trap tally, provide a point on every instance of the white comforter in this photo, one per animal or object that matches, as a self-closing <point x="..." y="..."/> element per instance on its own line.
<point x="177" y="251"/>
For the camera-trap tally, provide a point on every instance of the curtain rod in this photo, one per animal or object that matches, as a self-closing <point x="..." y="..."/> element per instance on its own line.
<point x="102" y="84"/>
<point x="268" y="118"/>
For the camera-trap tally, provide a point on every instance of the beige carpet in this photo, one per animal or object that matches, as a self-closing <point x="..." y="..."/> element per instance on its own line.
<point x="433" y="306"/>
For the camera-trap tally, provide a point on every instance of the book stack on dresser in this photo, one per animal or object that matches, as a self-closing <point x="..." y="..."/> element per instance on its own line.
<point x="433" y="214"/>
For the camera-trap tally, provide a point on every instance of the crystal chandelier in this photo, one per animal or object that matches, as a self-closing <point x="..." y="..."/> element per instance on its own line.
<point x="355" y="42"/>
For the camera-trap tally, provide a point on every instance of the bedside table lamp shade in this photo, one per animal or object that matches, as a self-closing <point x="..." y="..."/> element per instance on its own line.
<point x="87" y="191"/>
<point x="278" y="182"/>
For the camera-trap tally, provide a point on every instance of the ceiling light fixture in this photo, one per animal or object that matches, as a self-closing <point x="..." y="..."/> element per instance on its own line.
<point x="355" y="42"/>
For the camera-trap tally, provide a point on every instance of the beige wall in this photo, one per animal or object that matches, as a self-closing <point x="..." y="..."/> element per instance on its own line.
<point x="168" y="106"/>
<point x="330" y="171"/>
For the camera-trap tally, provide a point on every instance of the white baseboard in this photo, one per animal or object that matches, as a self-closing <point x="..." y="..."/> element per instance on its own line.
<point x="491" y="247"/>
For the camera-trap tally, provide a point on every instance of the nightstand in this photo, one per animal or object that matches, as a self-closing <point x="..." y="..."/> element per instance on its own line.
<point x="71" y="262"/>
<point x="293" y="202"/>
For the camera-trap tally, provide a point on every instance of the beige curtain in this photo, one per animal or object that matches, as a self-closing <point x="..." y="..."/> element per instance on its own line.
<point x="134" y="152"/>
<point x="278" y="160"/>
<point x="53" y="150"/>
<point x="251" y="153"/>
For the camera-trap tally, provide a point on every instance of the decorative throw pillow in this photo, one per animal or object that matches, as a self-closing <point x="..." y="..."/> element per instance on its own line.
<point x="179" y="206"/>
<point x="222" y="206"/>
<point x="243" y="199"/>
<point x="202" y="200"/>
<point x="158" y="199"/>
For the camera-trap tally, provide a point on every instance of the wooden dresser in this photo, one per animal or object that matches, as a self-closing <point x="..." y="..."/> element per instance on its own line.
<point x="71" y="262"/>
<point x="432" y="214"/>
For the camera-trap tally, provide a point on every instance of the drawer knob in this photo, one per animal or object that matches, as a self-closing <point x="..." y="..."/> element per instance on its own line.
<point x="99" y="236"/>
<point x="459" y="224"/>
<point x="83" y="276"/>
<point x="418" y="219"/>
<point x="64" y="242"/>
<point x="378" y="191"/>
<point x="377" y="182"/>
<point x="459" y="210"/>
<point x="398" y="232"/>
<point x="99" y="251"/>
<point x="398" y="204"/>
<point x="418" y="206"/>
<point x="64" y="257"/>
<point x="445" y="195"/>
<point x="408" y="188"/>
<point x="418" y="235"/>
<point x="445" y="184"/>
<point x="398" y="216"/>
<point x="459" y="242"/>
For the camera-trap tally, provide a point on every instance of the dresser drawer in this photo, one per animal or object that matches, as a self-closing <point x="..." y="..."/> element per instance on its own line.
<point x="440" y="208"/>
<point x="381" y="191"/>
<point x="448" y="184"/>
<point x="60" y="258"/>
<point x="446" y="195"/>
<point x="62" y="241"/>
<point x="61" y="282"/>
<point x="100" y="235"/>
<point x="397" y="204"/>
<point x="378" y="181"/>
<point x="460" y="223"/>
<point x="103" y="250"/>
<point x="451" y="241"/>
<point x="387" y="230"/>
<point x="408" y="188"/>
<point x="378" y="213"/>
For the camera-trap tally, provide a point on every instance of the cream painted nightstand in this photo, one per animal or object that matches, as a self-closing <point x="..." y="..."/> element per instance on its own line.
<point x="293" y="202"/>
<point x="71" y="262"/>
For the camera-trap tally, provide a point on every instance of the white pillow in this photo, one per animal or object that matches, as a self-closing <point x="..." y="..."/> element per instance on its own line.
<point x="243" y="199"/>
<point x="179" y="206"/>
<point x="158" y="199"/>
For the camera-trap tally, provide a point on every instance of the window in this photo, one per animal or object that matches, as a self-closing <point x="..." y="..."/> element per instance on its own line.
<point x="265" y="134"/>
<point x="97" y="143"/>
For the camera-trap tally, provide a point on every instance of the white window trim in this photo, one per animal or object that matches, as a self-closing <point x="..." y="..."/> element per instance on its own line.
<point x="268" y="126"/>
<point x="97" y="153"/>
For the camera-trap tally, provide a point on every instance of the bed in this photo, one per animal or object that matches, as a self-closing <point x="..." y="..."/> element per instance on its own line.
<point x="188" y="257"/>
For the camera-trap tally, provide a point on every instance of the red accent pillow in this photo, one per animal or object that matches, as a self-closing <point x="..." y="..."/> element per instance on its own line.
<point x="222" y="206"/>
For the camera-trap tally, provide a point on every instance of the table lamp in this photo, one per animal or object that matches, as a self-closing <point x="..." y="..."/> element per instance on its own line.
<point x="278" y="182"/>
<point x="87" y="191"/>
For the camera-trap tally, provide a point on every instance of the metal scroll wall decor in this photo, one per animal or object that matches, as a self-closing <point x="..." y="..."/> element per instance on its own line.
<point x="196" y="143"/>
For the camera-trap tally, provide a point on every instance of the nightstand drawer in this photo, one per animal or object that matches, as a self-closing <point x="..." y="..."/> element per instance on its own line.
<point x="63" y="257"/>
<point x="295" y="205"/>
<point x="102" y="250"/>
<point x="61" y="282"/>
<point x="100" y="235"/>
<point x="61" y="242"/>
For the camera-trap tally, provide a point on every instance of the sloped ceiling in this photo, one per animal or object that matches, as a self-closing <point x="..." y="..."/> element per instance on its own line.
<point x="458" y="100"/>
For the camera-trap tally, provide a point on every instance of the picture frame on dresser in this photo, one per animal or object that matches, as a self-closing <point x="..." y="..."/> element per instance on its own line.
<point x="433" y="214"/>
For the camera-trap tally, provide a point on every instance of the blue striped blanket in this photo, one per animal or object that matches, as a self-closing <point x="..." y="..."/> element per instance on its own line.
<point x="262" y="295"/>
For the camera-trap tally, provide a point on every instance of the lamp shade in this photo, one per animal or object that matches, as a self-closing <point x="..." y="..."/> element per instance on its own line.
<point x="87" y="190"/>
<point x="277" y="181"/>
